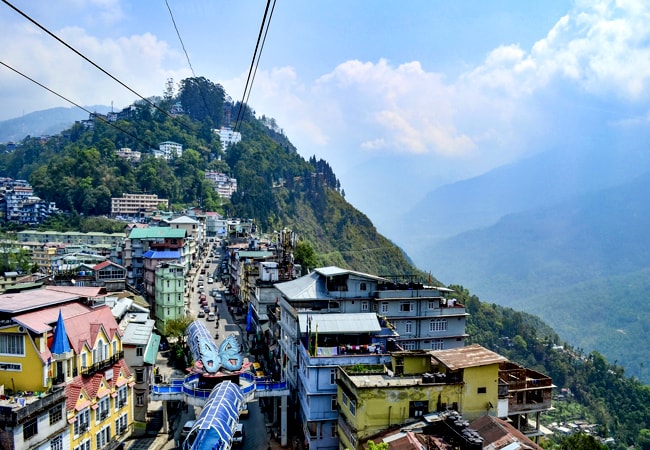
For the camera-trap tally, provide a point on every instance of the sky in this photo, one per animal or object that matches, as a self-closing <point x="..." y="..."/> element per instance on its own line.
<point x="399" y="97"/>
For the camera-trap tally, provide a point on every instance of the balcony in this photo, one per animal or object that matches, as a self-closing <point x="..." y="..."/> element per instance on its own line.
<point x="101" y="365"/>
<point x="13" y="414"/>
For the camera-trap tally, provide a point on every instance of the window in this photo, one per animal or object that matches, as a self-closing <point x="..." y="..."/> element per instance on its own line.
<point x="438" y="325"/>
<point x="365" y="305"/>
<point x="332" y="376"/>
<point x="408" y="345"/>
<point x="139" y="351"/>
<point x="408" y="327"/>
<point x="103" y="437"/>
<point x="121" y="424"/>
<point x="121" y="398"/>
<point x="85" y="445"/>
<point x="438" y="345"/>
<point x="101" y="413"/>
<point x="84" y="360"/>
<point x="384" y="307"/>
<point x="345" y="398"/>
<point x="362" y="286"/>
<point x="56" y="414"/>
<point x="57" y="443"/>
<point x="139" y="399"/>
<point x="12" y="344"/>
<point x="333" y="429"/>
<point x="30" y="428"/>
<point x="431" y="304"/>
<point x="83" y="420"/>
<point x="353" y="407"/>
<point x="481" y="390"/>
<point x="418" y="408"/>
<point x="334" y="403"/>
<point x="406" y="306"/>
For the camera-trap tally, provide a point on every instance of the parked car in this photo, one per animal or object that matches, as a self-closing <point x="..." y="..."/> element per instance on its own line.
<point x="211" y="317"/>
<point x="201" y="313"/>
<point x="243" y="414"/>
<point x="210" y="280"/>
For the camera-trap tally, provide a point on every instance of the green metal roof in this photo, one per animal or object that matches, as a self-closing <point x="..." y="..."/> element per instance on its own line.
<point x="157" y="233"/>
<point x="151" y="352"/>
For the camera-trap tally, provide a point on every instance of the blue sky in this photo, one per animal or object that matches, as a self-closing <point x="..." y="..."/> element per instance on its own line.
<point x="399" y="97"/>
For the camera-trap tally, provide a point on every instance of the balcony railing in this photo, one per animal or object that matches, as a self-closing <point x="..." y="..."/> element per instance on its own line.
<point x="12" y="416"/>
<point x="101" y="365"/>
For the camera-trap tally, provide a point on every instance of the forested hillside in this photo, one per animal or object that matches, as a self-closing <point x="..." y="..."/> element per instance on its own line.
<point x="80" y="171"/>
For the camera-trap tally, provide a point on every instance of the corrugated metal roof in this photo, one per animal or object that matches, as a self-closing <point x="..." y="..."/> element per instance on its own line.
<point x="336" y="323"/>
<point x="311" y="286"/>
<point x="137" y="333"/>
<point x="469" y="356"/>
<point x="157" y="233"/>
<point x="331" y="271"/>
<point x="164" y="254"/>
<point x="25" y="301"/>
<point x="151" y="351"/>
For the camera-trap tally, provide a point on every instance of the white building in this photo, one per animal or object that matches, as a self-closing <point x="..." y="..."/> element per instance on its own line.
<point x="169" y="150"/>
<point x="228" y="137"/>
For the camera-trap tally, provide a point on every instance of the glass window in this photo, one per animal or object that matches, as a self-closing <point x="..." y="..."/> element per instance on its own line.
<point x="12" y="344"/>
<point x="30" y="428"/>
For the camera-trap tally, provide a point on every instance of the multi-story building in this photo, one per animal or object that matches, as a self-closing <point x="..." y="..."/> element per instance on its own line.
<point x="228" y="137"/>
<point x="141" y="240"/>
<point x="169" y="300"/>
<point x="471" y="380"/>
<point x="215" y="225"/>
<point x="55" y="339"/>
<point x="70" y="237"/>
<point x="136" y="205"/>
<point x="425" y="318"/>
<point x="169" y="150"/>
<point x="336" y="299"/>
<point x="34" y="422"/>
<point x="140" y="345"/>
<point x="223" y="184"/>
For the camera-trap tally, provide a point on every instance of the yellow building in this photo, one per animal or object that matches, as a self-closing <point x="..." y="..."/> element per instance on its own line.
<point x="373" y="399"/>
<point x="54" y="338"/>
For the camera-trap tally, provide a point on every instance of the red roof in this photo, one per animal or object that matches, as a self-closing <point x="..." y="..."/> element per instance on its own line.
<point x="84" y="328"/>
<point x="101" y="265"/>
<point x="90" y="386"/>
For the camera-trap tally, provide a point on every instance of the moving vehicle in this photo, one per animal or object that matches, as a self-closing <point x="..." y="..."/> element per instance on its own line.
<point x="187" y="428"/>
<point x="201" y="313"/>
<point x="211" y="317"/>
<point x="238" y="435"/>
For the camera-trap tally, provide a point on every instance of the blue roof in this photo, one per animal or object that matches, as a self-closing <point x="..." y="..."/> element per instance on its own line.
<point x="60" y="342"/>
<point x="164" y="254"/>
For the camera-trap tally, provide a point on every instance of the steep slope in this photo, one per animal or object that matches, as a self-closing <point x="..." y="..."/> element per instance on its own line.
<point x="581" y="265"/>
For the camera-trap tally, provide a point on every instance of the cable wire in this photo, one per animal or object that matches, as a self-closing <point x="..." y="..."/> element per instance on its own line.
<point x="93" y="63"/>
<point x="252" y="66"/>
<point x="92" y="114"/>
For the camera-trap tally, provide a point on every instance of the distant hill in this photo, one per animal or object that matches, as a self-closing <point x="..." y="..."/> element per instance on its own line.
<point x="541" y="180"/>
<point x="46" y="122"/>
<point x="582" y="265"/>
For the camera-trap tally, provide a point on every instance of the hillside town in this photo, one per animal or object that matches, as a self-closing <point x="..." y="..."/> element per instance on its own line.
<point x="332" y="358"/>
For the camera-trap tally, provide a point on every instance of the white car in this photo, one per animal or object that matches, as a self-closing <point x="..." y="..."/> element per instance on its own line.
<point x="238" y="435"/>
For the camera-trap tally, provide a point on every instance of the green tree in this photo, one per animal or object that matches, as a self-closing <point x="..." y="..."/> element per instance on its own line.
<point x="305" y="255"/>
<point x="581" y="441"/>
